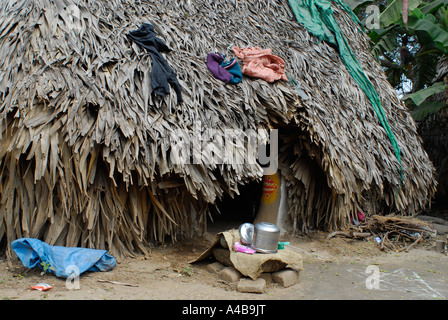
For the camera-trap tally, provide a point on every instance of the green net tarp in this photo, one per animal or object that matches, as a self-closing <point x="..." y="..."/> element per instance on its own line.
<point x="317" y="17"/>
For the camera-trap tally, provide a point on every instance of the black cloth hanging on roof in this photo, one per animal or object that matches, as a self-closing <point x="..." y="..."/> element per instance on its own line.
<point x="161" y="74"/>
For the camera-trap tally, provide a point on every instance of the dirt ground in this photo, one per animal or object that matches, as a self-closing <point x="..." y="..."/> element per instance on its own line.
<point x="333" y="269"/>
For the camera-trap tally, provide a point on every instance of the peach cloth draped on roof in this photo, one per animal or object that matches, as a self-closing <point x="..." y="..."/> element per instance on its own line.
<point x="261" y="63"/>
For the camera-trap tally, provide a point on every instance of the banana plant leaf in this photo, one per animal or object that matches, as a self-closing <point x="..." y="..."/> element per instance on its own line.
<point x="428" y="24"/>
<point x="433" y="6"/>
<point x="427" y="108"/>
<point x="394" y="12"/>
<point x="420" y="96"/>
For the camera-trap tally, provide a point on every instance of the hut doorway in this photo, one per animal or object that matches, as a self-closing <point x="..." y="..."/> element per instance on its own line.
<point x="258" y="201"/>
<point x="263" y="201"/>
<point x="232" y="212"/>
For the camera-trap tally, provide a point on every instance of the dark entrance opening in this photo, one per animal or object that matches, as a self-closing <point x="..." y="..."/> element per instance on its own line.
<point x="237" y="210"/>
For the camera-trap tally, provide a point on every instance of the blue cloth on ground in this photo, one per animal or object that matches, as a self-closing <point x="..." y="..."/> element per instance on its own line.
<point x="61" y="260"/>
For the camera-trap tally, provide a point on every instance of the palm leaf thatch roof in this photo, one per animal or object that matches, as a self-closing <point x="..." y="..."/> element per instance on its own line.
<point x="85" y="146"/>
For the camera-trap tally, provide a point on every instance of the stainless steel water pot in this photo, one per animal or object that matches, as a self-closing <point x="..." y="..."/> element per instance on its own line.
<point x="265" y="238"/>
<point x="246" y="231"/>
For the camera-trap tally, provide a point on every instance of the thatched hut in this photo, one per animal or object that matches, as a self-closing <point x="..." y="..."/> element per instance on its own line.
<point x="85" y="145"/>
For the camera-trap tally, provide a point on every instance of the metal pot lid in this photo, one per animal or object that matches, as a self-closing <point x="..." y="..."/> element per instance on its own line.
<point x="246" y="231"/>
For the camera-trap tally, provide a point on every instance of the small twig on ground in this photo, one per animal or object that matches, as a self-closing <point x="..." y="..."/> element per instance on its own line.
<point x="412" y="244"/>
<point x="119" y="283"/>
<point x="349" y="234"/>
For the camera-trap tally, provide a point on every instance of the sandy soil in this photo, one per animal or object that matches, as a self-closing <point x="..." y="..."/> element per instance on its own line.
<point x="333" y="269"/>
